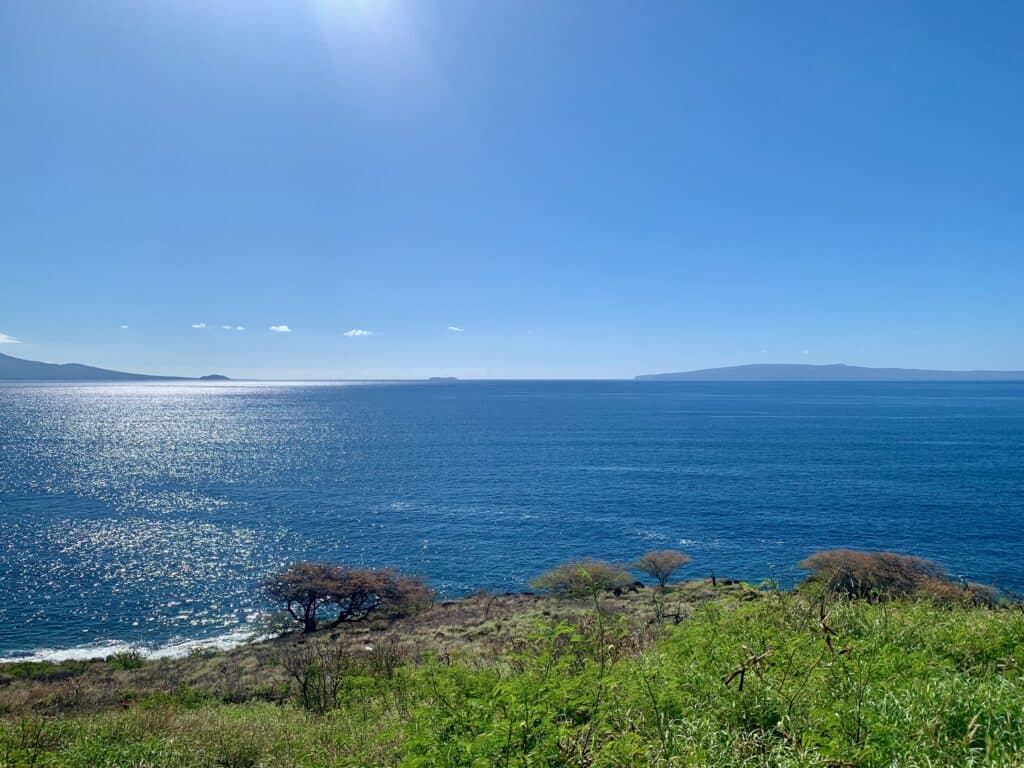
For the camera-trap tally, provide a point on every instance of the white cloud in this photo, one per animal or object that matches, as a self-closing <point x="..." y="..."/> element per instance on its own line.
<point x="124" y="327"/>
<point x="280" y="329"/>
<point x="5" y="339"/>
<point x="455" y="329"/>
<point x="227" y="327"/>
<point x="358" y="332"/>
<point x="239" y="327"/>
<point x="198" y="326"/>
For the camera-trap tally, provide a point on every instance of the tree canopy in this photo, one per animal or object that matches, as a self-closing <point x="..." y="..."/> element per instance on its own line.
<point x="582" y="578"/>
<point x="310" y="591"/>
<point x="661" y="564"/>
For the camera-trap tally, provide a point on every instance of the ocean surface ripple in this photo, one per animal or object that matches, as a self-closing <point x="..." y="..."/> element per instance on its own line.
<point x="146" y="514"/>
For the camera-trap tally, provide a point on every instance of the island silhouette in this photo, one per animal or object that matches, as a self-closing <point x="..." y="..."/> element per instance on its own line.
<point x="833" y="372"/>
<point x="18" y="369"/>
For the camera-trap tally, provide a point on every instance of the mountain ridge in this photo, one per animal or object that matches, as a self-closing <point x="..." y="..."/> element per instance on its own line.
<point x="829" y="372"/>
<point x="19" y="369"/>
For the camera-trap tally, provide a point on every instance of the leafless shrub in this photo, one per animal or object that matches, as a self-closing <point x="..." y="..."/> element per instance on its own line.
<point x="385" y="656"/>
<point x="318" y="670"/>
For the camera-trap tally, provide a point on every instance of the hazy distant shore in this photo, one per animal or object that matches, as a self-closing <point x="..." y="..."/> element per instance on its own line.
<point x="764" y="372"/>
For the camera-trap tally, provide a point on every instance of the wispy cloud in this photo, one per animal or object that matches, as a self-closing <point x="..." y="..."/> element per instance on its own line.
<point x="124" y="327"/>
<point x="280" y="329"/>
<point x="358" y="332"/>
<point x="5" y="339"/>
<point x="198" y="326"/>
<point x="239" y="327"/>
<point x="455" y="329"/>
<point x="228" y="327"/>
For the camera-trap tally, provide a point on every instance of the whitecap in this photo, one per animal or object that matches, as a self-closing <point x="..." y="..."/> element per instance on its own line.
<point x="174" y="650"/>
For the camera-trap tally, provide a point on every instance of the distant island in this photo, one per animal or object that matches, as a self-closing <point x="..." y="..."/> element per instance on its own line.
<point x="835" y="372"/>
<point x="17" y="369"/>
<point x="438" y="379"/>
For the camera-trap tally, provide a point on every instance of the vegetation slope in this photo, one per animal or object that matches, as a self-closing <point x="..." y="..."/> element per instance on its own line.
<point x="696" y="675"/>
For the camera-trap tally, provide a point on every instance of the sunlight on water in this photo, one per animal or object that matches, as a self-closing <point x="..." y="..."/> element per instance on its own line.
<point x="148" y="513"/>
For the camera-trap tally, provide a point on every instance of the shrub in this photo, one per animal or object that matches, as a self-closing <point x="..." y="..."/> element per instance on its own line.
<point x="886" y="575"/>
<point x="236" y="751"/>
<point x="582" y="578"/>
<point x="132" y="659"/>
<point x="310" y="590"/>
<point x="385" y="656"/>
<point x="968" y="593"/>
<point x="318" y="671"/>
<point x="661" y="564"/>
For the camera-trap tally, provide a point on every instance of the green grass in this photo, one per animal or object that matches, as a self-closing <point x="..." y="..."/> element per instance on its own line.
<point x="41" y="670"/>
<point x="900" y="683"/>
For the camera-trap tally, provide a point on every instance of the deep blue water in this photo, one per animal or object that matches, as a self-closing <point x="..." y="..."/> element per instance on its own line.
<point x="148" y="513"/>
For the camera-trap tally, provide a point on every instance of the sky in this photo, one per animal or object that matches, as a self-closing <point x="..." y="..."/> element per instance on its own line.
<point x="556" y="189"/>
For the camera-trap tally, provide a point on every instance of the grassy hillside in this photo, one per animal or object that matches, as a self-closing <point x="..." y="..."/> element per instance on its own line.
<point x="696" y="677"/>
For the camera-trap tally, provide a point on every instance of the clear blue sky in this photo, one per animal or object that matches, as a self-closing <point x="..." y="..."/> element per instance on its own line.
<point x="585" y="188"/>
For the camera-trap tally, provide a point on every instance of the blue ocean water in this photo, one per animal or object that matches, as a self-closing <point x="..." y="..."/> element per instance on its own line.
<point x="147" y="513"/>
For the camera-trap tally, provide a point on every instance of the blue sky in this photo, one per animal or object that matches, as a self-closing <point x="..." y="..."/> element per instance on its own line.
<point x="586" y="189"/>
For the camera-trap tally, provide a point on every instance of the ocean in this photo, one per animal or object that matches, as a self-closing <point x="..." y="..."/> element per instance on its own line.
<point x="146" y="514"/>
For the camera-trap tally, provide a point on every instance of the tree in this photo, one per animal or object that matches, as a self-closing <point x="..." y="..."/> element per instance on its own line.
<point x="661" y="564"/>
<point x="582" y="578"/>
<point x="310" y="591"/>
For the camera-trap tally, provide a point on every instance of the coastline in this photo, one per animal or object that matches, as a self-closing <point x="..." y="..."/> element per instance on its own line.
<point x="104" y="649"/>
<point x="643" y="677"/>
<point x="447" y="624"/>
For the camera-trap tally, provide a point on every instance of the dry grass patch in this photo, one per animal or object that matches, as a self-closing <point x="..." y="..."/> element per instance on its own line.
<point x="475" y="629"/>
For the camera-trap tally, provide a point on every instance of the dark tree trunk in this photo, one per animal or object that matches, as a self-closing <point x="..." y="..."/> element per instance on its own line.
<point x="309" y="620"/>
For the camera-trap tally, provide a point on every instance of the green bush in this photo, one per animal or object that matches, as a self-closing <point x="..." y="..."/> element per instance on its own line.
<point x="132" y="659"/>
<point x="582" y="578"/>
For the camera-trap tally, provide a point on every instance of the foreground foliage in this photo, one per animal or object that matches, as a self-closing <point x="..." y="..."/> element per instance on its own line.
<point x="781" y="680"/>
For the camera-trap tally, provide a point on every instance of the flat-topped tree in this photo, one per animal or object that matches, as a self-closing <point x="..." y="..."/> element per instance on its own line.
<point x="310" y="591"/>
<point x="661" y="564"/>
